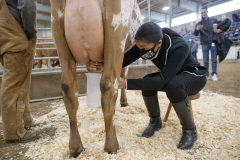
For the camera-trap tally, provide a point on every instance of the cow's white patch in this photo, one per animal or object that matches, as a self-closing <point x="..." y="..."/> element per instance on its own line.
<point x="123" y="17"/>
<point x="52" y="18"/>
<point x="126" y="18"/>
<point x="113" y="120"/>
<point x="135" y="23"/>
<point x="60" y="14"/>
<point x="76" y="94"/>
<point x="126" y="71"/>
<point x="123" y="42"/>
<point x="115" y="86"/>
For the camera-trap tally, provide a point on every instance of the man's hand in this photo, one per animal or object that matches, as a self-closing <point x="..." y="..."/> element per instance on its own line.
<point x="217" y="31"/>
<point x="94" y="66"/>
<point x="121" y="83"/>
<point x="199" y="26"/>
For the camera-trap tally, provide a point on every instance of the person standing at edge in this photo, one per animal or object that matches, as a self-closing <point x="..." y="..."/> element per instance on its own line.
<point x="17" y="48"/>
<point x="194" y="49"/>
<point x="180" y="75"/>
<point x="206" y="31"/>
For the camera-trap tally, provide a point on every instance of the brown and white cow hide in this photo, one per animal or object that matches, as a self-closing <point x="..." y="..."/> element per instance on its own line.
<point x="97" y="30"/>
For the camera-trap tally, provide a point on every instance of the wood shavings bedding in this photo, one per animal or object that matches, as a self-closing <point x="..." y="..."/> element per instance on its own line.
<point x="217" y="118"/>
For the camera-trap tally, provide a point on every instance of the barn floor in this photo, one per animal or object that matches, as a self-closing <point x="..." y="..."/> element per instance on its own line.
<point x="217" y="117"/>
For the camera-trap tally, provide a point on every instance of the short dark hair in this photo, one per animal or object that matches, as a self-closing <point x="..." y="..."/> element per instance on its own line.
<point x="204" y="8"/>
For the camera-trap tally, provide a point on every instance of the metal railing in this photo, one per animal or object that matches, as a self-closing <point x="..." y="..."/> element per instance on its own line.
<point x="43" y="29"/>
<point x="49" y="68"/>
<point x="42" y="43"/>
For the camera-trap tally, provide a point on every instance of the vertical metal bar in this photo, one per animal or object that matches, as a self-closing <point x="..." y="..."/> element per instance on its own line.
<point x="198" y="13"/>
<point x="170" y="13"/>
<point x="149" y="11"/>
<point x="49" y="64"/>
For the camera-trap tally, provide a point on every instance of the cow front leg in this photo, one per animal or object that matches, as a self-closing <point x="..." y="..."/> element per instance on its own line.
<point x="123" y="98"/>
<point x="68" y="79"/>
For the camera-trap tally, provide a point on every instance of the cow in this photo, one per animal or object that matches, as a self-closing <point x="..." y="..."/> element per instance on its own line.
<point x="42" y="43"/>
<point x="101" y="31"/>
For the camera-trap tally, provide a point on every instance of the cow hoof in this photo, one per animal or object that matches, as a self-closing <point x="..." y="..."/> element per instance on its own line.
<point x="124" y="104"/>
<point x="111" y="151"/>
<point x="75" y="154"/>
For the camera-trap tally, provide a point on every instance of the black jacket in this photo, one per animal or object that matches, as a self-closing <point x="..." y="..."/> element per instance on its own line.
<point x="24" y="11"/>
<point x="206" y="33"/>
<point x="222" y="42"/>
<point x="224" y="25"/>
<point x="174" y="58"/>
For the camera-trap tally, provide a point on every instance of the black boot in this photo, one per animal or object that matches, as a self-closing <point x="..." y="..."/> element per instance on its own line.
<point x="155" y="122"/>
<point x="185" y="115"/>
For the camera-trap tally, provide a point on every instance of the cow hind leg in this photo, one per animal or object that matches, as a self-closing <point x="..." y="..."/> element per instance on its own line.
<point x="115" y="38"/>
<point x="70" y="95"/>
<point x="68" y="80"/>
<point x="108" y="107"/>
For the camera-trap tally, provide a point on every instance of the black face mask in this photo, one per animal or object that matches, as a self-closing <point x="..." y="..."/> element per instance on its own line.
<point x="148" y="54"/>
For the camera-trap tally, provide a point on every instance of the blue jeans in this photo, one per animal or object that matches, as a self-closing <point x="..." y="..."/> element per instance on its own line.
<point x="194" y="54"/>
<point x="205" y="50"/>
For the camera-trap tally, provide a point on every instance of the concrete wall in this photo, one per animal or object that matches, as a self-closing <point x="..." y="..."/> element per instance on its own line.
<point x="47" y="85"/>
